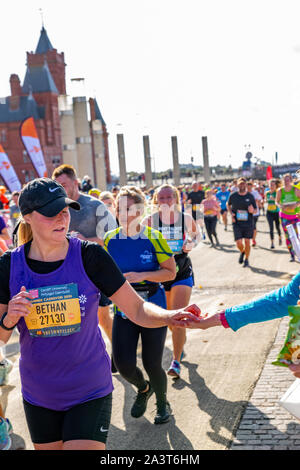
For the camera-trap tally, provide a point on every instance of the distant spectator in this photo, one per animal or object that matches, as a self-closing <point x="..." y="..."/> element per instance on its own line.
<point x="94" y="192"/>
<point x="86" y="184"/>
<point x="14" y="208"/>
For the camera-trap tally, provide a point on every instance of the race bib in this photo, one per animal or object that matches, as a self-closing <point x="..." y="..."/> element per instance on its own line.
<point x="209" y="212"/>
<point x="272" y="207"/>
<point x="242" y="215"/>
<point x="173" y="236"/>
<point x="175" y="245"/>
<point x="55" y="311"/>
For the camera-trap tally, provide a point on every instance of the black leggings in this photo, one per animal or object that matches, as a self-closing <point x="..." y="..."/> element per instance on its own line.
<point x="125" y="336"/>
<point x="271" y="218"/>
<point x="210" y="225"/>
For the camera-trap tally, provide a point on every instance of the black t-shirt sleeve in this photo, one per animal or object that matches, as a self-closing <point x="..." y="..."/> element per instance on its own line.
<point x="4" y="278"/>
<point x="101" y="268"/>
<point x="253" y="201"/>
<point x="98" y="264"/>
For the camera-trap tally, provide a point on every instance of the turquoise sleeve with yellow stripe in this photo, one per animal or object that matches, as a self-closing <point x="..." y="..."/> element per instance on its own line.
<point x="109" y="235"/>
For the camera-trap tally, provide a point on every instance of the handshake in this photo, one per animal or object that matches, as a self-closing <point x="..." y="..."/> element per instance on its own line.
<point x="192" y="317"/>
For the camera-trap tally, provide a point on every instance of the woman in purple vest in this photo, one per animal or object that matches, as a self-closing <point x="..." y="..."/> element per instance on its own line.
<point x="49" y="288"/>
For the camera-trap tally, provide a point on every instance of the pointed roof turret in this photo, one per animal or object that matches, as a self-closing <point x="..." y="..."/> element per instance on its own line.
<point x="38" y="79"/>
<point x="98" y="114"/>
<point x="44" y="44"/>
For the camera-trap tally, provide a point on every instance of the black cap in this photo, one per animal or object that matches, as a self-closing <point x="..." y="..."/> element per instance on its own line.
<point x="45" y="196"/>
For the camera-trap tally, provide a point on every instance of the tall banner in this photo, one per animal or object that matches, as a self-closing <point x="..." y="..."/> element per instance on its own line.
<point x="32" y="145"/>
<point x="269" y="173"/>
<point x="8" y="173"/>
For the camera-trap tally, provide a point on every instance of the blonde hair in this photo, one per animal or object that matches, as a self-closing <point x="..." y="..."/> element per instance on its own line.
<point x="106" y="195"/>
<point x="276" y="182"/>
<point x="24" y="233"/>
<point x="166" y="186"/>
<point x="132" y="192"/>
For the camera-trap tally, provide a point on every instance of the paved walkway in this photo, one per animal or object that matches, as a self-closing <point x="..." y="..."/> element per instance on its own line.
<point x="265" y="425"/>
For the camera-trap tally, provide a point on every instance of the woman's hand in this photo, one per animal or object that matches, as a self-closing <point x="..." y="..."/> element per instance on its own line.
<point x="132" y="277"/>
<point x="188" y="246"/>
<point x="19" y="306"/>
<point x="191" y="317"/>
<point x="188" y="317"/>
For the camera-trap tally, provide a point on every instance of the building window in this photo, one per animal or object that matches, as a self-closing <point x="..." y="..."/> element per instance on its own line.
<point x="26" y="176"/>
<point x="56" y="160"/>
<point x="26" y="158"/>
<point x="69" y="147"/>
<point x="3" y="136"/>
<point x="49" y="133"/>
<point x="83" y="140"/>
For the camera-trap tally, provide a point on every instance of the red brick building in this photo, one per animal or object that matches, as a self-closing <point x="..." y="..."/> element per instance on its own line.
<point x="38" y="97"/>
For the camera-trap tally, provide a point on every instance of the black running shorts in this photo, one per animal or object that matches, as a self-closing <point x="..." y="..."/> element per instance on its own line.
<point x="242" y="231"/>
<point x="86" y="421"/>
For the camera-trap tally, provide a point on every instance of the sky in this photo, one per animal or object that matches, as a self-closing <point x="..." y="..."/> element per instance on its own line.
<point x="225" y="69"/>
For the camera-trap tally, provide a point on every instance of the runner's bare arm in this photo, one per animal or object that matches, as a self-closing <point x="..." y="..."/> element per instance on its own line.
<point x="4" y="234"/>
<point x="167" y="272"/>
<point x="193" y="233"/>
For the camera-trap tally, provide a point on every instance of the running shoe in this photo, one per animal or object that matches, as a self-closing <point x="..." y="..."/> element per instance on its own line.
<point x="5" y="440"/>
<point x="163" y="412"/>
<point x="140" y="404"/>
<point x="241" y="258"/>
<point x="5" y="368"/>
<point x="292" y="258"/>
<point x="246" y="263"/>
<point x="272" y="246"/>
<point x="174" y="369"/>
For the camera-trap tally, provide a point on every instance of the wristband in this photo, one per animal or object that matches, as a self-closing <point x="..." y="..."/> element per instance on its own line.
<point x="223" y="320"/>
<point x="2" y="324"/>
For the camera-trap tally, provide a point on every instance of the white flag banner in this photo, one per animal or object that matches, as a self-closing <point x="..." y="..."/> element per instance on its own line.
<point x="8" y="173"/>
<point x="32" y="145"/>
<point x="294" y="237"/>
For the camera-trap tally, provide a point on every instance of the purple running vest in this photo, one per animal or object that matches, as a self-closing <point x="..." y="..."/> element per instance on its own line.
<point x="61" y="372"/>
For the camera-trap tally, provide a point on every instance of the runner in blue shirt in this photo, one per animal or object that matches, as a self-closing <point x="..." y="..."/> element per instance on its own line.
<point x="223" y="196"/>
<point x="146" y="260"/>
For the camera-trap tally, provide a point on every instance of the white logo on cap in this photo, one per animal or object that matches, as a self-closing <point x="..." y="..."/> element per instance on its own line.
<point x="53" y="189"/>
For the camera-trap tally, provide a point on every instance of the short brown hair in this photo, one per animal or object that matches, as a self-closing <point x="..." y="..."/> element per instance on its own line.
<point x="132" y="192"/>
<point x="65" y="169"/>
<point x="242" y="180"/>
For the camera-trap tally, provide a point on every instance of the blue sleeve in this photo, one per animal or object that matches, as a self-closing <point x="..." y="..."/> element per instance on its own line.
<point x="272" y="305"/>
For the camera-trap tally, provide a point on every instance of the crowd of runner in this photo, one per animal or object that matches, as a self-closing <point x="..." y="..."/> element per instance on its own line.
<point x="127" y="252"/>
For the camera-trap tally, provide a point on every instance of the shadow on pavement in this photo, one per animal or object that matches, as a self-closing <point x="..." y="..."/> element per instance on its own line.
<point x="228" y="414"/>
<point x="141" y="433"/>
<point x="267" y="272"/>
